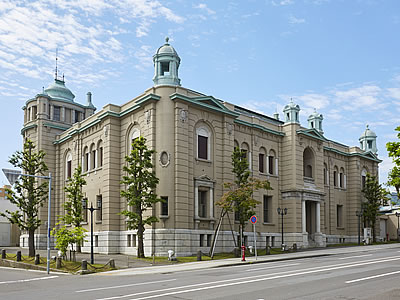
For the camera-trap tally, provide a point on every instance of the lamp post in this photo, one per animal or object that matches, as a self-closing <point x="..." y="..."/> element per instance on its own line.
<point x="398" y="216"/>
<point x="359" y="215"/>
<point x="91" y="209"/>
<point x="282" y="212"/>
<point x="12" y="176"/>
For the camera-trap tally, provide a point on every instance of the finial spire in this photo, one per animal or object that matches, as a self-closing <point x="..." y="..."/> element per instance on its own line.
<point x="166" y="40"/>
<point x="56" y="71"/>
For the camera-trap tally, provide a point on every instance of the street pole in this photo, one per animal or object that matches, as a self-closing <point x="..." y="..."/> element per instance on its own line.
<point x="398" y="216"/>
<point x="282" y="212"/>
<point x="255" y="239"/>
<point x="91" y="209"/>
<point x="359" y="215"/>
<point x="48" y="227"/>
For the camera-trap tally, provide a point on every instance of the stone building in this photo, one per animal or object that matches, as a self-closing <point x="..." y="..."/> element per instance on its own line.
<point x="318" y="180"/>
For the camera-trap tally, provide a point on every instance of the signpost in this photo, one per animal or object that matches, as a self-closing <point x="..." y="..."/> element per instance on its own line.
<point x="253" y="221"/>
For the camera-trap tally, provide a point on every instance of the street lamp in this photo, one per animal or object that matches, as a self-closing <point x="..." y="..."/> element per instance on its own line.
<point x="91" y="209"/>
<point x="359" y="214"/>
<point x="282" y="212"/>
<point x="398" y="216"/>
<point x="12" y="177"/>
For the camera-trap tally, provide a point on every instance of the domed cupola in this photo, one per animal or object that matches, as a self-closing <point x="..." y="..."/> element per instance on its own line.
<point x="291" y="112"/>
<point x="59" y="91"/>
<point x="315" y="121"/>
<point x="166" y="65"/>
<point x="368" y="141"/>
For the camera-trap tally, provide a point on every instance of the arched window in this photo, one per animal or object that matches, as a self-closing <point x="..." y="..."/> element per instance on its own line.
<point x="235" y="144"/>
<point x="261" y="160"/>
<point x="363" y="178"/>
<point x="68" y="166"/>
<point x="342" y="179"/>
<point x="93" y="154"/>
<point x="203" y="137"/>
<point x="246" y="153"/>
<point x="326" y="174"/>
<point x="335" y="176"/>
<point x="100" y="154"/>
<point x="308" y="163"/>
<point x="85" y="159"/>
<point x="272" y="163"/>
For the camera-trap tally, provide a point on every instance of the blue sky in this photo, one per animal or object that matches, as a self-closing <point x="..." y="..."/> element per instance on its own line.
<point x="338" y="56"/>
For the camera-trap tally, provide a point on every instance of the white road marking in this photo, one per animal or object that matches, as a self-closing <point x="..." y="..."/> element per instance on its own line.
<point x="244" y="280"/>
<point x="26" y="280"/>
<point x="272" y="267"/>
<point x="350" y="257"/>
<point x="372" y="277"/>
<point x="121" y="286"/>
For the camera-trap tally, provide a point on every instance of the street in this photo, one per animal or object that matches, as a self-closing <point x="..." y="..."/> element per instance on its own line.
<point x="370" y="273"/>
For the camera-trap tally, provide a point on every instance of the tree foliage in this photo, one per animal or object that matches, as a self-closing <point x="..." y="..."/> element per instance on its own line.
<point x="29" y="193"/>
<point x="73" y="214"/>
<point x="393" y="149"/>
<point x="239" y="197"/>
<point x="140" y="181"/>
<point x="375" y="196"/>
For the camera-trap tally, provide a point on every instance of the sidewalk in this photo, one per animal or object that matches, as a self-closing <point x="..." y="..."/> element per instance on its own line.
<point x="249" y="260"/>
<point x="139" y="267"/>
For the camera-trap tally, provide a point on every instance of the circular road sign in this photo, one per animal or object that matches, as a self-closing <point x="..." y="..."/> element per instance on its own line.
<point x="253" y="219"/>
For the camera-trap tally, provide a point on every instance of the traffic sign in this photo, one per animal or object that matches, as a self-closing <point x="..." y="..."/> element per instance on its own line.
<point x="253" y="219"/>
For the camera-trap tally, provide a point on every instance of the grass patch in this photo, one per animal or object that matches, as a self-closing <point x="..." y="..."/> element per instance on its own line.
<point x="66" y="266"/>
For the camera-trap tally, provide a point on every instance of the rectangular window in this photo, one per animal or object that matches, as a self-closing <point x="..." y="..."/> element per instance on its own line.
<point x="164" y="68"/>
<point x="96" y="240"/>
<point x="164" y="206"/>
<point x="202" y="204"/>
<point x="133" y="240"/>
<point x="34" y="112"/>
<point x="325" y="177"/>
<point x="237" y="213"/>
<point x="267" y="208"/>
<point x="87" y="162"/>
<point x="341" y="181"/>
<point x="202" y="142"/>
<point x="363" y="179"/>
<point x="93" y="160"/>
<point x="334" y="178"/>
<point x="57" y="113"/>
<point x="128" y="238"/>
<point x="76" y="116"/>
<point x="261" y="162"/>
<point x="339" y="215"/>
<point x="99" y="211"/>
<point x="270" y="164"/>
<point x="68" y="115"/>
<point x="209" y="236"/>
<point x="85" y="212"/>
<point x="201" y="240"/>
<point x="69" y="169"/>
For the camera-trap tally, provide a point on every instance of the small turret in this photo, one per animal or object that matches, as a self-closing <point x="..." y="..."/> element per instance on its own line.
<point x="368" y="141"/>
<point x="315" y="121"/>
<point x="291" y="112"/>
<point x="166" y="65"/>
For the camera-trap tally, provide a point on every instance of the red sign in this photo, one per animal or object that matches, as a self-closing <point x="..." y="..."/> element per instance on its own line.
<point x="253" y="219"/>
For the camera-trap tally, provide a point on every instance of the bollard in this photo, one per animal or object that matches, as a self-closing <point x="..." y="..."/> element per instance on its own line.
<point x="199" y="255"/>
<point x="268" y="250"/>
<point x="19" y="256"/>
<point x="112" y="263"/>
<point x="3" y="254"/>
<point x="243" y="253"/>
<point x="58" y="263"/>
<point x="74" y="256"/>
<point x="37" y="259"/>
<point x="84" y="265"/>
<point x="294" y="247"/>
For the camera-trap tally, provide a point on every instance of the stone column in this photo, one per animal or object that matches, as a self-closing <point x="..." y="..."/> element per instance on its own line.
<point x="303" y="216"/>
<point x="196" y="202"/>
<point x="62" y="114"/>
<point x="211" y="203"/>
<point x="318" y="216"/>
<point x="276" y="166"/>
<point x="51" y="112"/>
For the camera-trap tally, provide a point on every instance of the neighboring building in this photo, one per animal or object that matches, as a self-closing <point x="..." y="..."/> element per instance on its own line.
<point x="9" y="233"/>
<point x="318" y="180"/>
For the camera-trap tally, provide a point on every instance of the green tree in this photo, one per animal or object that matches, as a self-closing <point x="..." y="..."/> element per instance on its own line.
<point x="393" y="149"/>
<point x="375" y="196"/>
<point x="65" y="237"/>
<point x="141" y="182"/>
<point x="28" y="193"/>
<point x="239" y="197"/>
<point x="73" y="206"/>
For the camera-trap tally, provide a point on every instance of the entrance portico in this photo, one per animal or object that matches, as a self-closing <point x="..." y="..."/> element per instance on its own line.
<point x="311" y="219"/>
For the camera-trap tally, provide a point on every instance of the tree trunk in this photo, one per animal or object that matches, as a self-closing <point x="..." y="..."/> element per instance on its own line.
<point x="78" y="247"/>
<point x="31" y="242"/>
<point x="140" y="250"/>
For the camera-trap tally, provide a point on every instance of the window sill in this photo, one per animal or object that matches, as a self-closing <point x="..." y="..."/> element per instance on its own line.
<point x="268" y="224"/>
<point x="164" y="217"/>
<point x="204" y="219"/>
<point x="99" y="222"/>
<point x="92" y="171"/>
<point x="340" y="228"/>
<point x="203" y="160"/>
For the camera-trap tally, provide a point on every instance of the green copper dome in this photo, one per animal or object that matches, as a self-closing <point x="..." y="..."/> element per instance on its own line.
<point x="58" y="90"/>
<point x="368" y="133"/>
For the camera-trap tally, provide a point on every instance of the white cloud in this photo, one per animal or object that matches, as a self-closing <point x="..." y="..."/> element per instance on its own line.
<point x="364" y="97"/>
<point x="293" y="20"/>
<point x="316" y="101"/>
<point x="203" y="6"/>
<point x="282" y="2"/>
<point x="394" y="93"/>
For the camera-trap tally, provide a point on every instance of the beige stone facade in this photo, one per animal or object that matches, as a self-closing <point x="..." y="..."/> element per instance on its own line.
<point x="319" y="181"/>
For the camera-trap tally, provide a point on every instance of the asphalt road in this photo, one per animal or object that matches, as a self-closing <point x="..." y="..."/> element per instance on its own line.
<point x="357" y="275"/>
